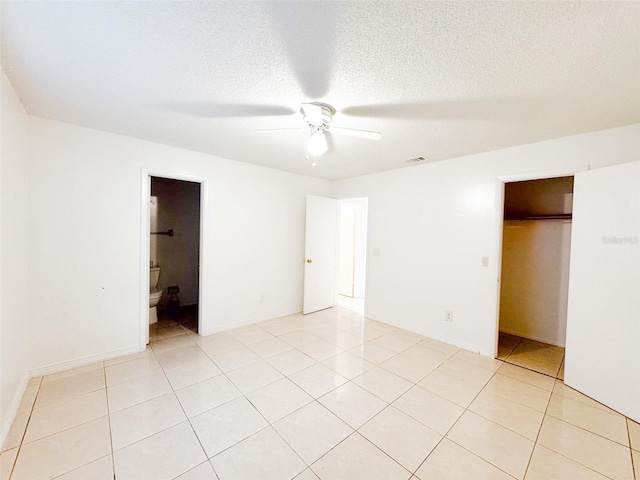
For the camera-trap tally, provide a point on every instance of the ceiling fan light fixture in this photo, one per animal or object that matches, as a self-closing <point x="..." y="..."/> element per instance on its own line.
<point x="317" y="144"/>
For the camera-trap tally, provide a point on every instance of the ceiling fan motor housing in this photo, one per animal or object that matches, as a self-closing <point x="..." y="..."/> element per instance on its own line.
<point x="317" y="115"/>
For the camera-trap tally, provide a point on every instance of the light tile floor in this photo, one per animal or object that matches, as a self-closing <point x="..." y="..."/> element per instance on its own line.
<point x="537" y="356"/>
<point x="330" y="395"/>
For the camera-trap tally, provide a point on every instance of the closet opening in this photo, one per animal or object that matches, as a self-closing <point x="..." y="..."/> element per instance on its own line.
<point x="534" y="280"/>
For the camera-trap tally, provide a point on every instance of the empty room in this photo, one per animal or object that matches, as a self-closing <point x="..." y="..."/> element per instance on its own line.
<point x="319" y="240"/>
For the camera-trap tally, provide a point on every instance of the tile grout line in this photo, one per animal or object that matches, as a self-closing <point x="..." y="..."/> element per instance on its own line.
<point x="244" y="395"/>
<point x="313" y="400"/>
<point x="389" y="404"/>
<point x="24" y="433"/>
<point x="182" y="408"/>
<point x="208" y="460"/>
<point x="65" y="429"/>
<point x="535" y="443"/>
<point x="634" y="468"/>
<point x="106" y="394"/>
<point x="466" y="409"/>
<point x="307" y="466"/>
<point x="270" y="424"/>
<point x="490" y="420"/>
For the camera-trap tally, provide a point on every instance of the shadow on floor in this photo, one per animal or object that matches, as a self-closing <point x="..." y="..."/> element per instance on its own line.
<point x="186" y="316"/>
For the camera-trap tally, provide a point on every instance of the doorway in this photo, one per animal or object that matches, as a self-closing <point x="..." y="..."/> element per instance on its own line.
<point x="352" y="254"/>
<point x="174" y="256"/>
<point x="536" y="239"/>
<point x="335" y="254"/>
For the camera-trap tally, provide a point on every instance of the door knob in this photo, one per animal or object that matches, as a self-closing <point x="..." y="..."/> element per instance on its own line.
<point x="309" y="260"/>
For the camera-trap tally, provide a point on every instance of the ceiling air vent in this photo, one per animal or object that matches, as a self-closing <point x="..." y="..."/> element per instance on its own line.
<point x="411" y="161"/>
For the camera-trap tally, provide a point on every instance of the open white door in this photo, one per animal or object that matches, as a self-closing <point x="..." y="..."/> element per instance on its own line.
<point x="320" y="254"/>
<point x="603" y="320"/>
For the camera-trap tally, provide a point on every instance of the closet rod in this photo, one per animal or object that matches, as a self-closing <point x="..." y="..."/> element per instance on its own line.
<point x="561" y="216"/>
<point x="169" y="232"/>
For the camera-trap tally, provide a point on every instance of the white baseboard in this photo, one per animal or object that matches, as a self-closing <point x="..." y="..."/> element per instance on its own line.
<point x="79" y="362"/>
<point x="441" y="338"/>
<point x="230" y="326"/>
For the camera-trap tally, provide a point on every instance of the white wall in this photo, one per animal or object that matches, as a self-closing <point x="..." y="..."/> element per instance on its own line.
<point x="178" y="256"/>
<point x="433" y="223"/>
<point x="535" y="279"/>
<point x="14" y="240"/>
<point x="86" y="256"/>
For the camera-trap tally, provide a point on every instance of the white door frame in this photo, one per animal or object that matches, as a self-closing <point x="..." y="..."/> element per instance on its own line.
<point x="145" y="242"/>
<point x="499" y="215"/>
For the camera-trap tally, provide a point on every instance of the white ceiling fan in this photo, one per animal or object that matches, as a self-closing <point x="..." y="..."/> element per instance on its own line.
<point x="318" y="117"/>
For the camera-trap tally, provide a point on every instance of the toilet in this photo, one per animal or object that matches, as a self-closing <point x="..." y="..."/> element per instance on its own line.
<point x="155" y="294"/>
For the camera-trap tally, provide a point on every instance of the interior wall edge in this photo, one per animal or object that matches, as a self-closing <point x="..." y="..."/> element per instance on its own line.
<point x="16" y="294"/>
<point x="9" y="417"/>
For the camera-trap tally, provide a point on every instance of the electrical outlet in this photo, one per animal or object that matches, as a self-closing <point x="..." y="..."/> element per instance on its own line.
<point x="448" y="316"/>
<point x="261" y="298"/>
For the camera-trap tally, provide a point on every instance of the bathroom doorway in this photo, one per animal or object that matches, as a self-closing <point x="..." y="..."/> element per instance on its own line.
<point x="174" y="253"/>
<point x="536" y="241"/>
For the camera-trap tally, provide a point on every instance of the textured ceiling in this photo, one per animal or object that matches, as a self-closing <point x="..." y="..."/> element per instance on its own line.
<point x="437" y="79"/>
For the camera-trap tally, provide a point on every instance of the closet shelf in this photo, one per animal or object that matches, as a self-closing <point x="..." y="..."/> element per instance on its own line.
<point x="560" y="216"/>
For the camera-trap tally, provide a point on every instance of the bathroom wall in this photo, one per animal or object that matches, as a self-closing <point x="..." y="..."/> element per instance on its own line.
<point x="178" y="256"/>
<point x="153" y="227"/>
<point x="16" y="292"/>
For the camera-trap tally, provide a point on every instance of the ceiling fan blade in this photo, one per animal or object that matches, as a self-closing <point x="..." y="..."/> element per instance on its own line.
<point x="313" y="61"/>
<point x="228" y="110"/>
<point x="366" y="134"/>
<point x="493" y="108"/>
<point x="263" y="130"/>
<point x="312" y="113"/>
